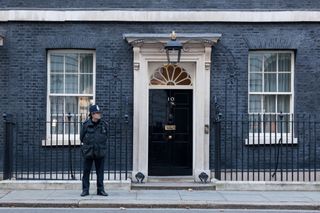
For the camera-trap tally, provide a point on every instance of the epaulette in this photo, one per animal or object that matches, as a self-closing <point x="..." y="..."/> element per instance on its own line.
<point x="105" y="123"/>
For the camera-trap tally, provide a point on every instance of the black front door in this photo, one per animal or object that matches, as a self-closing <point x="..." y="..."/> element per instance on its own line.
<point x="170" y="132"/>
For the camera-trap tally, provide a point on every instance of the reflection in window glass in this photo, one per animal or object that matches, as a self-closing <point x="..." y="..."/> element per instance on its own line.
<point x="270" y="62"/>
<point x="256" y="62"/>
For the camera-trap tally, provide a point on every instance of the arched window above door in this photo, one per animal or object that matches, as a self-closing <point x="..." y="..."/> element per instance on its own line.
<point x="170" y="75"/>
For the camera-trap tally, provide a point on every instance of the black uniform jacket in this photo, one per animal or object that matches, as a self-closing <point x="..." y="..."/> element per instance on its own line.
<point x="94" y="137"/>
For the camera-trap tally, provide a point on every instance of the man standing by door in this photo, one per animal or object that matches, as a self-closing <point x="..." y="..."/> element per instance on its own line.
<point x="93" y="137"/>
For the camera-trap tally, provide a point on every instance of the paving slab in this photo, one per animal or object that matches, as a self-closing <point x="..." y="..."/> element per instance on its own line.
<point x="286" y="197"/>
<point x="242" y="196"/>
<point x="4" y="193"/>
<point x="67" y="194"/>
<point x="163" y="199"/>
<point x="201" y="195"/>
<point x="158" y="195"/>
<point x="27" y="195"/>
<point x="314" y="196"/>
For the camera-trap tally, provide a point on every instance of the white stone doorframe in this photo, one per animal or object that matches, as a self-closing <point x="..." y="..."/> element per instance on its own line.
<point x="150" y="48"/>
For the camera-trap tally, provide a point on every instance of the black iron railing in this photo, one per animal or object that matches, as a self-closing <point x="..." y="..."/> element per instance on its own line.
<point x="50" y="150"/>
<point x="269" y="147"/>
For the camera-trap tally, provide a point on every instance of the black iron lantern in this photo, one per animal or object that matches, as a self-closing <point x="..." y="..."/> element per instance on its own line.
<point x="173" y="49"/>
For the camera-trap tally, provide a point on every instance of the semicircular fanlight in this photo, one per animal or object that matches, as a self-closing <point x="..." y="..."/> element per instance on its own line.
<point x="171" y="75"/>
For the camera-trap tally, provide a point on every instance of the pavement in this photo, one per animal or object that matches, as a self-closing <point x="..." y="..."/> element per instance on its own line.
<point x="200" y="199"/>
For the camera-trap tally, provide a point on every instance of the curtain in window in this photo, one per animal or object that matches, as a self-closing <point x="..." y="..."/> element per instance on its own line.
<point x="86" y="70"/>
<point x="269" y="103"/>
<point x="284" y="77"/>
<point x="255" y="103"/>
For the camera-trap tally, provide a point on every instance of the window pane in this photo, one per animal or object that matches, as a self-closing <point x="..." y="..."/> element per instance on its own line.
<point x="56" y="83"/>
<point x="256" y="82"/>
<point x="284" y="82"/>
<point x="284" y="62"/>
<point x="255" y="104"/>
<point x="86" y="63"/>
<point x="284" y="103"/>
<point x="270" y="62"/>
<point x="173" y="54"/>
<point x="72" y="108"/>
<point x="71" y="105"/>
<point x="270" y="123"/>
<point x="269" y="105"/>
<point x="55" y="118"/>
<point x="72" y="84"/>
<point x="270" y="82"/>
<point x="56" y="63"/>
<point x="86" y="82"/>
<point x="284" y="124"/>
<point x="56" y="126"/>
<point x="71" y="63"/>
<point x="256" y="62"/>
<point x="56" y="105"/>
<point x="255" y="124"/>
<point x="84" y="103"/>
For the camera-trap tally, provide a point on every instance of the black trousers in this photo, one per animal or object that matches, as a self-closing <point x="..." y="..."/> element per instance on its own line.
<point x="87" y="164"/>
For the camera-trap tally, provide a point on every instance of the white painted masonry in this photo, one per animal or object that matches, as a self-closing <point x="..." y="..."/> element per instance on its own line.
<point x="196" y="58"/>
<point x="160" y="16"/>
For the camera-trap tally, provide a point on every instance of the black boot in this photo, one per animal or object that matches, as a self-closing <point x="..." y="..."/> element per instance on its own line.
<point x="102" y="193"/>
<point x="84" y="193"/>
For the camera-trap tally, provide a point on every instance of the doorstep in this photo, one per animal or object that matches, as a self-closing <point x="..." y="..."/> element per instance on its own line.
<point x="172" y="183"/>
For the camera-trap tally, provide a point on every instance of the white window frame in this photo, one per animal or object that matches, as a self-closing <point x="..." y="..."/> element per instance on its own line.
<point x="62" y="139"/>
<point x="263" y="138"/>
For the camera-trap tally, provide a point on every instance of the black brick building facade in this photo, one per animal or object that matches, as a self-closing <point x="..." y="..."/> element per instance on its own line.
<point x="23" y="57"/>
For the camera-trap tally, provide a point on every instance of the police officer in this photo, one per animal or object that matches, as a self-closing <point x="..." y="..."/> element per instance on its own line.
<point x="93" y="137"/>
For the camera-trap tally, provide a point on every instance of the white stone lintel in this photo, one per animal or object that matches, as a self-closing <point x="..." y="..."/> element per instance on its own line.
<point x="143" y="15"/>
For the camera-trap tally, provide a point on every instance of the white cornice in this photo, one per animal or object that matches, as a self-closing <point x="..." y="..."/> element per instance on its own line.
<point x="137" y="39"/>
<point x="160" y="16"/>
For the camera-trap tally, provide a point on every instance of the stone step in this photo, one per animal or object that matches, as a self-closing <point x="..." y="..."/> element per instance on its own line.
<point x="170" y="179"/>
<point x="173" y="186"/>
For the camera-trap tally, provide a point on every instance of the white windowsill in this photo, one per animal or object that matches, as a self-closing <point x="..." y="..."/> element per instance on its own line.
<point x="61" y="140"/>
<point x="267" y="139"/>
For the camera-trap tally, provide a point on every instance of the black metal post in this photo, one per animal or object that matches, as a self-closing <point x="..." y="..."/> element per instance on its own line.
<point x="217" y="129"/>
<point x="217" y="156"/>
<point x="8" y="147"/>
<point x="69" y="147"/>
<point x="279" y="146"/>
<point x="126" y="118"/>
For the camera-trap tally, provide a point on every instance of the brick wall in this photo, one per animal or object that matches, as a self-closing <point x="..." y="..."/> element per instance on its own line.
<point x="23" y="58"/>
<point x="4" y="60"/>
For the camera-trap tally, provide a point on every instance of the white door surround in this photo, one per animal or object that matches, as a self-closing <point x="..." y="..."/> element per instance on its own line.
<point x="148" y="49"/>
